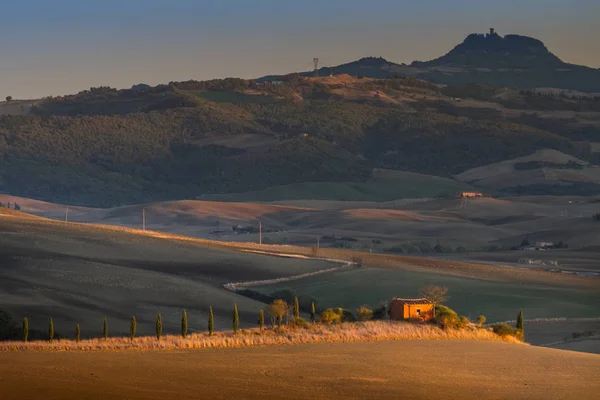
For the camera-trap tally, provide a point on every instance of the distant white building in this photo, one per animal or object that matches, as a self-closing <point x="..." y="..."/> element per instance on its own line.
<point x="543" y="244"/>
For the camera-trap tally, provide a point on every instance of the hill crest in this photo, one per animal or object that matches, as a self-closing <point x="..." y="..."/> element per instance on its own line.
<point x="494" y="51"/>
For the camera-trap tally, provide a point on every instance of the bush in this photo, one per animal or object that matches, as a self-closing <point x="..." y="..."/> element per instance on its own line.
<point x="481" y="320"/>
<point x="336" y="315"/>
<point x="364" y="313"/>
<point x="380" y="312"/>
<point x="504" y="330"/>
<point x="329" y="317"/>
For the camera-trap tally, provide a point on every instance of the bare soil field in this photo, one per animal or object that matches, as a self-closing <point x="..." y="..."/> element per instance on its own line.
<point x="399" y="369"/>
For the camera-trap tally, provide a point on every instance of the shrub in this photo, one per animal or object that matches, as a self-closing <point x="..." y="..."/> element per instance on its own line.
<point x="463" y="322"/>
<point x="364" y="313"/>
<point x="445" y="317"/>
<point x="504" y="330"/>
<point x="481" y="320"/>
<point x="380" y="312"/>
<point x="301" y="323"/>
<point x="211" y="321"/>
<point x="184" y="324"/>
<point x="329" y="317"/>
<point x="336" y="315"/>
<point x="51" y="330"/>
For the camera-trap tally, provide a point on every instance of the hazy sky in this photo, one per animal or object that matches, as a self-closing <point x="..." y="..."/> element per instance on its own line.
<point x="64" y="46"/>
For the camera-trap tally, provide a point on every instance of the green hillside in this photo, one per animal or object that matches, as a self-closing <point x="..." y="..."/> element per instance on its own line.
<point x="105" y="147"/>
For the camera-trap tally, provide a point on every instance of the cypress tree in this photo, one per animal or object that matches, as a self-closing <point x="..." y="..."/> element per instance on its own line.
<point x="236" y="318"/>
<point x="105" y="329"/>
<point x="51" y="330"/>
<point x="25" y="329"/>
<point x="211" y="322"/>
<point x="261" y="319"/>
<point x="296" y="309"/>
<point x="158" y="327"/>
<point x="312" y="312"/>
<point x="77" y="333"/>
<point x="132" y="328"/>
<point x="184" y="324"/>
<point x="520" y="321"/>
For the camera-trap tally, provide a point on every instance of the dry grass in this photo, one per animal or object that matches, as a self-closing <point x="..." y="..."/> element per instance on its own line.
<point x="346" y="332"/>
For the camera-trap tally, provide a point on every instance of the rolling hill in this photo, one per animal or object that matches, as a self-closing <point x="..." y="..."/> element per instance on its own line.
<point x="80" y="273"/>
<point x="303" y="137"/>
<point x="104" y="147"/>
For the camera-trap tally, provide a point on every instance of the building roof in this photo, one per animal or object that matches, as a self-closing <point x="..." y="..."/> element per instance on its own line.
<point x="412" y="301"/>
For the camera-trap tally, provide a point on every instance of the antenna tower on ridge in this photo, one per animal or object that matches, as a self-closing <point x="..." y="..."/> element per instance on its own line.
<point x="316" y="62"/>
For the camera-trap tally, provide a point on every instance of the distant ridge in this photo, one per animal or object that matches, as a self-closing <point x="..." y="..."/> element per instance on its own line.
<point x="515" y="61"/>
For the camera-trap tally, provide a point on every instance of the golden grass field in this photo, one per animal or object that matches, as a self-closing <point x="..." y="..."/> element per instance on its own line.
<point x="315" y="333"/>
<point x="451" y="369"/>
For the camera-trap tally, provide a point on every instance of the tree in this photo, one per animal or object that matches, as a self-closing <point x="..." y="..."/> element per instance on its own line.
<point x="105" y="329"/>
<point x="520" y="321"/>
<point x="25" y="329"/>
<point x="132" y="328"/>
<point x="261" y="319"/>
<point x="481" y="320"/>
<point x="296" y="309"/>
<point x="158" y="326"/>
<point x="211" y="321"/>
<point x="364" y="313"/>
<point x="77" y="333"/>
<point x="236" y="318"/>
<point x="9" y="99"/>
<point x="435" y="295"/>
<point x="51" y="330"/>
<point x="277" y="309"/>
<point x="184" y="324"/>
<point x="312" y="313"/>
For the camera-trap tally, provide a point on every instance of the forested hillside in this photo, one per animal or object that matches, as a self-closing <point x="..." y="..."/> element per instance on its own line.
<point x="105" y="147"/>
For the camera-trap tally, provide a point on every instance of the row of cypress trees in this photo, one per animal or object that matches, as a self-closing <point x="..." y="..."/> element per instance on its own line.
<point x="211" y="323"/>
<point x="159" y="323"/>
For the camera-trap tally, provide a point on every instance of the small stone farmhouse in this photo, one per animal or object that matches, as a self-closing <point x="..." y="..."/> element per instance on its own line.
<point x="411" y="309"/>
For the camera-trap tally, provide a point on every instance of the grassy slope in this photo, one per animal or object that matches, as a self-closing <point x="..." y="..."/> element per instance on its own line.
<point x="498" y="301"/>
<point x="80" y="273"/>
<point x="384" y="186"/>
<point x="405" y="369"/>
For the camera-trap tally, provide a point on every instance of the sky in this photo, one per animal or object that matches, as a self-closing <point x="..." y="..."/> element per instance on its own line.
<point x="65" y="46"/>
